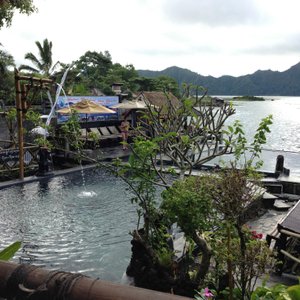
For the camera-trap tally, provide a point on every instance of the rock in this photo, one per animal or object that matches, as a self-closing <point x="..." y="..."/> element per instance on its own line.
<point x="282" y="205"/>
<point x="288" y="197"/>
<point x="268" y="199"/>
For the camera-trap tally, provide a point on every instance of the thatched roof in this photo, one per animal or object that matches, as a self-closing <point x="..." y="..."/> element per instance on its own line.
<point x="159" y="99"/>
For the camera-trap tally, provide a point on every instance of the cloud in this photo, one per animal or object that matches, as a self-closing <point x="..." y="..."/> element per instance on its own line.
<point x="280" y="45"/>
<point x="213" y="12"/>
<point x="207" y="36"/>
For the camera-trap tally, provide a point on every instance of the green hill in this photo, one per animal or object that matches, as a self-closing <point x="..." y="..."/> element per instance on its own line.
<point x="267" y="82"/>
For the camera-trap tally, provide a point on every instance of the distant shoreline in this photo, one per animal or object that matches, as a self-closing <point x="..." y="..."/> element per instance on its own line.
<point x="249" y="98"/>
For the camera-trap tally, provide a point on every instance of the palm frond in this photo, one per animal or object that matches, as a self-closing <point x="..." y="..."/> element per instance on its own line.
<point x="28" y="68"/>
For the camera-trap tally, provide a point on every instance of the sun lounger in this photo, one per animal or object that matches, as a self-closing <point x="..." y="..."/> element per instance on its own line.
<point x="113" y="130"/>
<point x="109" y="134"/>
<point x="104" y="131"/>
<point x="84" y="132"/>
<point x="96" y="131"/>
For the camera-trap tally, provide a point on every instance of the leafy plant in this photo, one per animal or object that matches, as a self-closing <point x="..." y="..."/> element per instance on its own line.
<point x="71" y="130"/>
<point x="8" y="252"/>
<point x="276" y="292"/>
<point x="11" y="122"/>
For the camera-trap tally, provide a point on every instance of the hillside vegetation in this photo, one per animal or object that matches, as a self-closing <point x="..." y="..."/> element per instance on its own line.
<point x="267" y="82"/>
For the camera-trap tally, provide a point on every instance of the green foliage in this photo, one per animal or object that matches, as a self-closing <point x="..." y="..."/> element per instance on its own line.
<point x="7" y="92"/>
<point x="43" y="142"/>
<point x="259" y="140"/>
<point x="209" y="209"/>
<point x="11" y="115"/>
<point x="80" y="89"/>
<point x="235" y="137"/>
<point x="164" y="257"/>
<point x="11" y="122"/>
<point x="95" y="70"/>
<point x="259" y="83"/>
<point x="9" y="252"/>
<point x="72" y="132"/>
<point x="33" y="117"/>
<point x="43" y="63"/>
<point x="189" y="203"/>
<point x="276" y="292"/>
<point x="161" y="83"/>
<point x="94" y="137"/>
<point x="8" y="8"/>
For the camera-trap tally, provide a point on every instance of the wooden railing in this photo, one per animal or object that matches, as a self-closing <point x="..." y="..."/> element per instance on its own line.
<point x="9" y="158"/>
<point x="38" y="283"/>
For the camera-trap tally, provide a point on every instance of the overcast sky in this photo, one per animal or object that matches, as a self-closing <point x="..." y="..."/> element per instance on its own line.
<point x="210" y="37"/>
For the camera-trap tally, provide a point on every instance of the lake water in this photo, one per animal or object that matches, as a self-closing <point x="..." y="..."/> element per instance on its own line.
<point x="285" y="131"/>
<point x="63" y="228"/>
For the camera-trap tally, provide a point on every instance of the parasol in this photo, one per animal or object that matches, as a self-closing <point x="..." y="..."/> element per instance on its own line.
<point x="86" y="107"/>
<point x="131" y="105"/>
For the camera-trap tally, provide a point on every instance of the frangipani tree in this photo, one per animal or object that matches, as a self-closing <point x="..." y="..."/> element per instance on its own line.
<point x="187" y="134"/>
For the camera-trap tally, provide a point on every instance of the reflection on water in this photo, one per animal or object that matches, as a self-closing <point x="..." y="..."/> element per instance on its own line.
<point x="62" y="226"/>
<point x="285" y="131"/>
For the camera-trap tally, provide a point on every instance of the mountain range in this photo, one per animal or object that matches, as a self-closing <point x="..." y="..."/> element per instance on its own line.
<point x="268" y="82"/>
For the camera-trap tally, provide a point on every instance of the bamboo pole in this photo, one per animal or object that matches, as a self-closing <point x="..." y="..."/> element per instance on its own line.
<point x="15" y="278"/>
<point x="33" y="79"/>
<point x="292" y="257"/>
<point x="290" y="233"/>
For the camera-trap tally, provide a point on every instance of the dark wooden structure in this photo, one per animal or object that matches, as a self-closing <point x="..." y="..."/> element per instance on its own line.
<point x="23" y="84"/>
<point x="30" y="282"/>
<point x="287" y="240"/>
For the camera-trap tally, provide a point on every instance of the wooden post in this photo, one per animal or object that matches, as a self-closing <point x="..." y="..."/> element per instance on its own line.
<point x="21" y="105"/>
<point x="28" y="279"/>
<point x="20" y="124"/>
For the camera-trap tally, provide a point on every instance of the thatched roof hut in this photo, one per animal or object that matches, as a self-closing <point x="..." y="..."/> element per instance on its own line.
<point x="159" y="99"/>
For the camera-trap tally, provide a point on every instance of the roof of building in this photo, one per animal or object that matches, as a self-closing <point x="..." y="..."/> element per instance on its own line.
<point x="159" y="99"/>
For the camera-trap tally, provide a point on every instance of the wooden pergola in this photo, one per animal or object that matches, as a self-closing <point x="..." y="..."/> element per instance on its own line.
<point x="23" y="84"/>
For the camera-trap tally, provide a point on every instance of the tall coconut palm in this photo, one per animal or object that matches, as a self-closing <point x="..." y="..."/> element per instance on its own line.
<point x="43" y="64"/>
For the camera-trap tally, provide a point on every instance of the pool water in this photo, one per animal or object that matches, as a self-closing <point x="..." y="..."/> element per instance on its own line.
<point x="71" y="223"/>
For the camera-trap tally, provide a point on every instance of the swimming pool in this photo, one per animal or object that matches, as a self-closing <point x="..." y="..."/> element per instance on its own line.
<point x="71" y="224"/>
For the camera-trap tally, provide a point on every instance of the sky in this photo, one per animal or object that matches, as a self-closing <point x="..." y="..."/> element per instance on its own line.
<point x="209" y="37"/>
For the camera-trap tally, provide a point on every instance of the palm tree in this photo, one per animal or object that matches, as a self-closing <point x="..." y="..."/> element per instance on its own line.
<point x="43" y="64"/>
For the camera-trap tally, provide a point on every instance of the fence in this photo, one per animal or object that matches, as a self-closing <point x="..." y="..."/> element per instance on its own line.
<point x="9" y="158"/>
